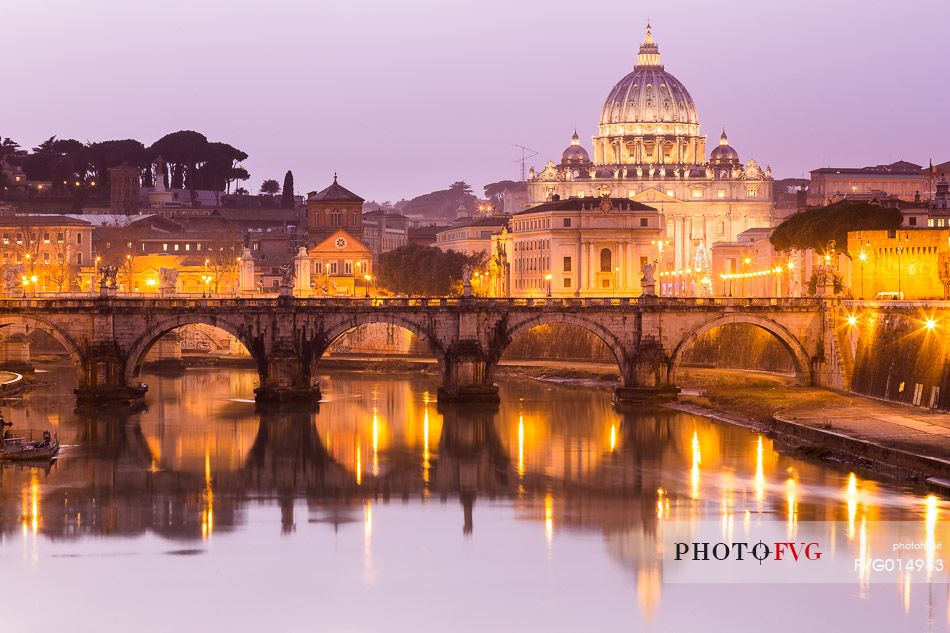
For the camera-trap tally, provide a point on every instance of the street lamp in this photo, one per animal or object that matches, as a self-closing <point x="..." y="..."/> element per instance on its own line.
<point x="207" y="281"/>
<point x="547" y="278"/>
<point x="660" y="245"/>
<point x="747" y="261"/>
<point x="616" y="279"/>
<point x="862" y="257"/>
<point x="367" y="278"/>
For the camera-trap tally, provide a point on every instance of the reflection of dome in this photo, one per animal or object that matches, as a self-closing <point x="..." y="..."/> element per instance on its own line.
<point x="724" y="154"/>
<point x="575" y="154"/>
<point x="649" y="94"/>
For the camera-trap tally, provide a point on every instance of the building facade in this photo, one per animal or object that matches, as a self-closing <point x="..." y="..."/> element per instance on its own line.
<point x="578" y="247"/>
<point x="472" y="238"/>
<point x="902" y="180"/>
<point x="649" y="149"/>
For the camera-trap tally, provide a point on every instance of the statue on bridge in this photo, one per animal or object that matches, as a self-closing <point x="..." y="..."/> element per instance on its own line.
<point x="11" y="278"/>
<point x="107" y="277"/>
<point x="167" y="280"/>
<point x="647" y="281"/>
<point x="467" y="280"/>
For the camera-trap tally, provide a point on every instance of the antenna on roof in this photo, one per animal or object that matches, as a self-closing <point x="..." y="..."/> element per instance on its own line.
<point x="525" y="155"/>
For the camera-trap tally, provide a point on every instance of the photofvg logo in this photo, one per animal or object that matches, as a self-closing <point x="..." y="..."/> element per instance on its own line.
<point x="745" y="550"/>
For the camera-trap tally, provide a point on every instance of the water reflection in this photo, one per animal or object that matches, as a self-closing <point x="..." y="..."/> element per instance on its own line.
<point x="201" y="460"/>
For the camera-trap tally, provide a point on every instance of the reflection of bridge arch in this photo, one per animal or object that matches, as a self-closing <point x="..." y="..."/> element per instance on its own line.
<point x="140" y="348"/>
<point x="613" y="343"/>
<point x="794" y="347"/>
<point x="38" y="323"/>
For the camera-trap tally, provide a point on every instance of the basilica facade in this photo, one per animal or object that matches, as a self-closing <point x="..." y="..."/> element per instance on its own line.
<point x="649" y="149"/>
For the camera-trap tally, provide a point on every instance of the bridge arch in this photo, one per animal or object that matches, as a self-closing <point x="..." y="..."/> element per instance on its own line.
<point x="335" y="328"/>
<point x="613" y="343"/>
<point x="39" y="323"/>
<point x="140" y="348"/>
<point x="799" y="355"/>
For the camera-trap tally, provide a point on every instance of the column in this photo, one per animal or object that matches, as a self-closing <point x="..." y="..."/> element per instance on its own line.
<point x="577" y="268"/>
<point x="591" y="267"/>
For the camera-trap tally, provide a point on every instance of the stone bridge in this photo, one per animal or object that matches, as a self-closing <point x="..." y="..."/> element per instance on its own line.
<point x="108" y="338"/>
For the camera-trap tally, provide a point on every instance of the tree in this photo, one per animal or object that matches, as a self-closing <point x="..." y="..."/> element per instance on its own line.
<point x="815" y="227"/>
<point x="423" y="270"/>
<point x="270" y="187"/>
<point x="443" y="203"/>
<point x="287" y="194"/>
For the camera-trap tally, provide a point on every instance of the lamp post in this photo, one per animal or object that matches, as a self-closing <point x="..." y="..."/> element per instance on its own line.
<point x="862" y="257"/>
<point x="206" y="279"/>
<point x="548" y="278"/>
<point x="660" y="245"/>
<point x="616" y="280"/>
<point x="747" y="261"/>
<point x="367" y="278"/>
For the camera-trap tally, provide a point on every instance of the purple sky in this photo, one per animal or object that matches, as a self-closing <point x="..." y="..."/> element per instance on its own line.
<point x="405" y="97"/>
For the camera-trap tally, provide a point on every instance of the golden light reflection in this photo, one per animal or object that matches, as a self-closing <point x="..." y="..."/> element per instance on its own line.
<point x="864" y="551"/>
<point x="791" y="498"/>
<point x="613" y="437"/>
<point x="34" y="505"/>
<point x="930" y="529"/>
<point x="521" y="446"/>
<point x="375" y="443"/>
<point x="852" y="497"/>
<point x="549" y="517"/>
<point x="697" y="460"/>
<point x="359" y="462"/>
<point x="759" y="473"/>
<point x="649" y="586"/>
<point x="659" y="503"/>
<point x="207" y="512"/>
<point x="906" y="592"/>
<point x="426" y="464"/>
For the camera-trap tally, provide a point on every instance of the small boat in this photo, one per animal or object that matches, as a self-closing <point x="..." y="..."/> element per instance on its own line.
<point x="36" y="445"/>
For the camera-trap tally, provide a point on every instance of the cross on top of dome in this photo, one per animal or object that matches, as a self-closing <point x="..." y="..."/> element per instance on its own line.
<point x="649" y="54"/>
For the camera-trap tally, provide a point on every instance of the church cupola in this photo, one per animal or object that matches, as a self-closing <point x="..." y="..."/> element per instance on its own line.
<point x="649" y="55"/>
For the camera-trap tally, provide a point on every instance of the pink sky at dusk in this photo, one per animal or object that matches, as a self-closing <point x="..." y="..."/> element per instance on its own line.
<point x="405" y="97"/>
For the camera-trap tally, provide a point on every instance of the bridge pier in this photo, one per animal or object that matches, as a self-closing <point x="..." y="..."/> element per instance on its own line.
<point x="286" y="379"/>
<point x="103" y="382"/>
<point x="15" y="350"/>
<point x="645" y="379"/>
<point x="466" y="375"/>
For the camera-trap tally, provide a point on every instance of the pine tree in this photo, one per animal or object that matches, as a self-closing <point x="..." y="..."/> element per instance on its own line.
<point x="287" y="196"/>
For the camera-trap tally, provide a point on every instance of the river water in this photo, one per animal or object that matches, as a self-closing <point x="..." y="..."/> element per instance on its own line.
<point x="380" y="513"/>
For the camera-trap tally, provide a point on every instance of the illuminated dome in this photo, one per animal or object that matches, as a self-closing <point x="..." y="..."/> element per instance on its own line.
<point x="649" y="117"/>
<point x="649" y="94"/>
<point x="724" y="154"/>
<point x="575" y="154"/>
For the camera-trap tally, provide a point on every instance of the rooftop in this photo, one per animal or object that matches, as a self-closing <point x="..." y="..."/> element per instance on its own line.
<point x="587" y="204"/>
<point x="335" y="192"/>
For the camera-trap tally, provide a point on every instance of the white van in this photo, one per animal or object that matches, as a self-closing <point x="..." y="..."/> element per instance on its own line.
<point x="889" y="296"/>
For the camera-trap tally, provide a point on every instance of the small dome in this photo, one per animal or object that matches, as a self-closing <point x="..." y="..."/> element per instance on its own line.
<point x="575" y="154"/>
<point x="724" y="154"/>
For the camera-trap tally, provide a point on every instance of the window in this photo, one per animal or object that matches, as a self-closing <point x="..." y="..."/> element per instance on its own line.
<point x="198" y="246"/>
<point x="605" y="283"/>
<point x="46" y="257"/>
<point x="697" y="193"/>
<point x="348" y="267"/>
<point x="79" y="259"/>
<point x="6" y="238"/>
<point x="671" y="193"/>
<point x="332" y="268"/>
<point x="318" y="268"/>
<point x="334" y="218"/>
<point x="940" y="223"/>
<point x="567" y="222"/>
<point x="752" y="191"/>
<point x="255" y="246"/>
<point x="722" y="228"/>
<point x="187" y="247"/>
<point x="176" y="247"/>
<point x="605" y="264"/>
<point x="912" y="221"/>
<point x="930" y="223"/>
<point x="644" y="222"/>
<point x="567" y="264"/>
<point x="164" y="247"/>
<point x="46" y="238"/>
<point x="78" y="238"/>
<point x="567" y="282"/>
<point x="720" y="193"/>
<point x="59" y="258"/>
<point x="60" y="238"/>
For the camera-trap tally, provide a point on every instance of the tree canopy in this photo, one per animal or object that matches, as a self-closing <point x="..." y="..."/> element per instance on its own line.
<point x="422" y="270"/>
<point x="443" y="203"/>
<point x="287" y="192"/>
<point x="815" y="227"/>
<point x="270" y="187"/>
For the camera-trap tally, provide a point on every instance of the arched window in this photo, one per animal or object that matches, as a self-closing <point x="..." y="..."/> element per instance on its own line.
<point x="605" y="265"/>
<point x="334" y="218"/>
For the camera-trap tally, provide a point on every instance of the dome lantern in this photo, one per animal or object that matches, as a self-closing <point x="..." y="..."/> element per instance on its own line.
<point x="649" y="55"/>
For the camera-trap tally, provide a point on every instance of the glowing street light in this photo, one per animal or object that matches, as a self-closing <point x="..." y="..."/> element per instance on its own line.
<point x="367" y="278"/>
<point x="548" y="278"/>
<point x="852" y="320"/>
<point x="930" y="324"/>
